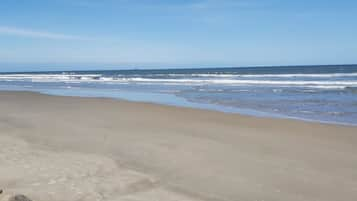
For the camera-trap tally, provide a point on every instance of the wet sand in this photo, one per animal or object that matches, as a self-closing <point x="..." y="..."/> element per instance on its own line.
<point x="71" y="148"/>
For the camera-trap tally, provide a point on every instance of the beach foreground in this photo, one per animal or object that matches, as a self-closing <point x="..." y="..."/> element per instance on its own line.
<point x="71" y="148"/>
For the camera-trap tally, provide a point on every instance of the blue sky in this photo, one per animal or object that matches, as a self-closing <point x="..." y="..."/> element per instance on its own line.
<point x="94" y="34"/>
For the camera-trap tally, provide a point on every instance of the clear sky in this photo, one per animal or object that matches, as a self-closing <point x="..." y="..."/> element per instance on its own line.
<point x="95" y="34"/>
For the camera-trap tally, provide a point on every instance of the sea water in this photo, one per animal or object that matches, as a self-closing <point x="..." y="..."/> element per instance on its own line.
<point x="318" y="93"/>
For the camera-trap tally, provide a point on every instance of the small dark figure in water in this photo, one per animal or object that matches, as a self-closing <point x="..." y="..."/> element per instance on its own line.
<point x="1" y="191"/>
<point x="19" y="198"/>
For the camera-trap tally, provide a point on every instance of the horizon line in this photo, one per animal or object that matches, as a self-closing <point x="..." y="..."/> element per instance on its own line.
<point x="181" y="68"/>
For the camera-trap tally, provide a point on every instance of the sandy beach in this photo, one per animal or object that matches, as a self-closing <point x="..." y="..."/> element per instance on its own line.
<point x="71" y="148"/>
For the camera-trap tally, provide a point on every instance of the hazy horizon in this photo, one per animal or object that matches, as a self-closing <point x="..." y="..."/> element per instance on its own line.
<point x="119" y="68"/>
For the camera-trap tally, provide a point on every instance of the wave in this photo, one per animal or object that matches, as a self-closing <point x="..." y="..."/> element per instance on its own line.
<point x="49" y="76"/>
<point x="233" y="75"/>
<point x="248" y="82"/>
<point x="170" y="75"/>
<point x="227" y="75"/>
<point x="331" y="75"/>
<point x="78" y="78"/>
<point x="224" y="75"/>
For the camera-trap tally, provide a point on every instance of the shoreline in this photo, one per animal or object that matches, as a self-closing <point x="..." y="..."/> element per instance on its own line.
<point x="108" y="149"/>
<point x="204" y="106"/>
<point x="237" y="111"/>
<point x="211" y="107"/>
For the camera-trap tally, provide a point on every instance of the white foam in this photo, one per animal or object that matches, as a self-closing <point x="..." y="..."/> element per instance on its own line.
<point x="330" y="75"/>
<point x="48" y="77"/>
<point x="61" y="77"/>
<point x="224" y="75"/>
<point x="225" y="80"/>
<point x="248" y="82"/>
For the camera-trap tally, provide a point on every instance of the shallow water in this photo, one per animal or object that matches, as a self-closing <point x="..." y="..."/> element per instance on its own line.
<point x="319" y="93"/>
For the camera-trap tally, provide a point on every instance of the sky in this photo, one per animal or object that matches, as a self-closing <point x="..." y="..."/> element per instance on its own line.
<point x="121" y="34"/>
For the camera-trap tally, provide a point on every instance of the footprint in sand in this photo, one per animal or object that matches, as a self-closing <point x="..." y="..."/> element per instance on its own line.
<point x="19" y="198"/>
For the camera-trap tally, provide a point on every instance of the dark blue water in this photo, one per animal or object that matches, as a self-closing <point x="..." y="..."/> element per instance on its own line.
<point x="319" y="93"/>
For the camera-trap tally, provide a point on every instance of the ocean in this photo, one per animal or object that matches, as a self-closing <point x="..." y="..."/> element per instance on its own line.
<point x="313" y="93"/>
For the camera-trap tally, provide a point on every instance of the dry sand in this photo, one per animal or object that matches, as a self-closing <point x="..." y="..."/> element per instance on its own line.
<point x="70" y="148"/>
